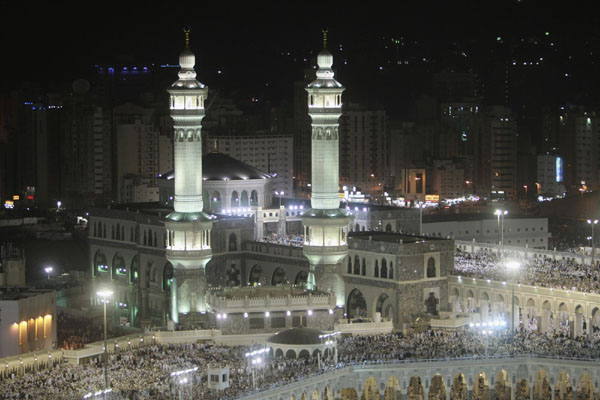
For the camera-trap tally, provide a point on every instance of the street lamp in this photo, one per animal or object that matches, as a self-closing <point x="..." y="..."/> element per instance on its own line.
<point x="104" y="295"/>
<point x="592" y="223"/>
<point x="513" y="266"/>
<point x="501" y="213"/>
<point x="48" y="270"/>
<point x="525" y="187"/>
<point x="279" y="194"/>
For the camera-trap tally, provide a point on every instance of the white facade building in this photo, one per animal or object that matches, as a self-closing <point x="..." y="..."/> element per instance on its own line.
<point x="520" y="232"/>
<point x="27" y="320"/>
<point x="273" y="154"/>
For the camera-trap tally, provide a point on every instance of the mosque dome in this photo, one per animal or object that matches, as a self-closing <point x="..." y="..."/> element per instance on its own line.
<point x="218" y="167"/>
<point x="297" y="336"/>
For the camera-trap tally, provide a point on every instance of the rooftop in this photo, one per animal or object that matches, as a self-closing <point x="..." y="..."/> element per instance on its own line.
<point x="391" y="237"/>
<point x="13" y="293"/>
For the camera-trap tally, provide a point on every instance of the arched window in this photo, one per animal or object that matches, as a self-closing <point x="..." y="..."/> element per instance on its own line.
<point x="255" y="275"/>
<point x="391" y="271"/>
<point x="155" y="241"/>
<point x="145" y="239"/>
<point x="376" y="270"/>
<point x="235" y="199"/>
<point x="301" y="278"/>
<point x="95" y="229"/>
<point x="279" y="277"/>
<point x="100" y="264"/>
<point x="363" y="270"/>
<point x="383" y="268"/>
<point x="356" y="265"/>
<point x="388" y="228"/>
<point x="254" y="198"/>
<point x="134" y="270"/>
<point x="118" y="266"/>
<point x="357" y="228"/>
<point x="349" y="264"/>
<point x="167" y="276"/>
<point x="123" y="232"/>
<point x="205" y="199"/>
<point x="104" y="231"/>
<point x="244" y="199"/>
<point x="357" y="305"/>
<point x="131" y="234"/>
<point x="232" y="242"/>
<point x="118" y="231"/>
<point x="431" y="270"/>
<point x="215" y="201"/>
<point x="112" y="232"/>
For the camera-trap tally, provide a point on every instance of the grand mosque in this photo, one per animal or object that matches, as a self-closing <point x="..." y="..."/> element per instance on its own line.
<point x="193" y="260"/>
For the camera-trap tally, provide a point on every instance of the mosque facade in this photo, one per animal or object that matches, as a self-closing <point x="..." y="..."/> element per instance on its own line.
<point x="204" y="262"/>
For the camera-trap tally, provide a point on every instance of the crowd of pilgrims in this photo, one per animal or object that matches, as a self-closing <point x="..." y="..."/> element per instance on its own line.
<point x="539" y="271"/>
<point x="145" y="372"/>
<point x="76" y="331"/>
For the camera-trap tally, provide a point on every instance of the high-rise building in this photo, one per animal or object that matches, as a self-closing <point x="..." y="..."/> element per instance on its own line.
<point x="550" y="175"/>
<point x="87" y="171"/>
<point x="188" y="227"/>
<point x="325" y="224"/>
<point x="365" y="149"/>
<point x="580" y="142"/>
<point x="500" y="159"/>
<point x="139" y="153"/>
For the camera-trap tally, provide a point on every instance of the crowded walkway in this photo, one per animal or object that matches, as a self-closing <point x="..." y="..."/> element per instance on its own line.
<point x="145" y="372"/>
<point x="540" y="271"/>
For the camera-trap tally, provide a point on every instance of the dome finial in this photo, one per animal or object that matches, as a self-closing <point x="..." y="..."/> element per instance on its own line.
<point x="324" y="37"/>
<point x="186" y="30"/>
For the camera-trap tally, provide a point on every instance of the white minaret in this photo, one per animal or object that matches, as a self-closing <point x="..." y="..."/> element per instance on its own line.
<point x="325" y="224"/>
<point x="188" y="228"/>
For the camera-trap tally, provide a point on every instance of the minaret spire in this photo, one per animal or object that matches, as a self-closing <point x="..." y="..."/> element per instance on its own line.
<point x="186" y="30"/>
<point x="188" y="227"/>
<point x="325" y="224"/>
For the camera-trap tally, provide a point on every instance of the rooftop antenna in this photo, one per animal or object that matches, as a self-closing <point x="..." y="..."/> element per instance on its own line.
<point x="324" y="37"/>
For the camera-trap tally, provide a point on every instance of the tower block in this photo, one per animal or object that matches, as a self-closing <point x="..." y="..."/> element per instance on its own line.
<point x="325" y="224"/>
<point x="188" y="227"/>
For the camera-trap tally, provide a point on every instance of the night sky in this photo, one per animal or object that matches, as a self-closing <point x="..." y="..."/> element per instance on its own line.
<point x="53" y="43"/>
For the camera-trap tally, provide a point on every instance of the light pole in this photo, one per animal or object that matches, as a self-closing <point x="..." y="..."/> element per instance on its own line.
<point x="48" y="270"/>
<point x="592" y="223"/>
<point x="279" y="194"/>
<point x="420" y="207"/>
<point x="501" y="213"/>
<point x="525" y="187"/>
<point x="104" y="295"/>
<point x="513" y="266"/>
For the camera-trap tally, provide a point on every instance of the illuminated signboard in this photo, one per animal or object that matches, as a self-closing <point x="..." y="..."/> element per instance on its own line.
<point x="432" y="197"/>
<point x="559" y="169"/>
<point x="16" y="197"/>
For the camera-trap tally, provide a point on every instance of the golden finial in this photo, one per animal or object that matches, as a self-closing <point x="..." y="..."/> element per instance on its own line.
<point x="186" y="30"/>
<point x="301" y="315"/>
<point x="324" y="37"/>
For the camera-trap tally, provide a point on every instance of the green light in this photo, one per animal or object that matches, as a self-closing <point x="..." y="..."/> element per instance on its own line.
<point x="547" y="33"/>
<point x="498" y="38"/>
